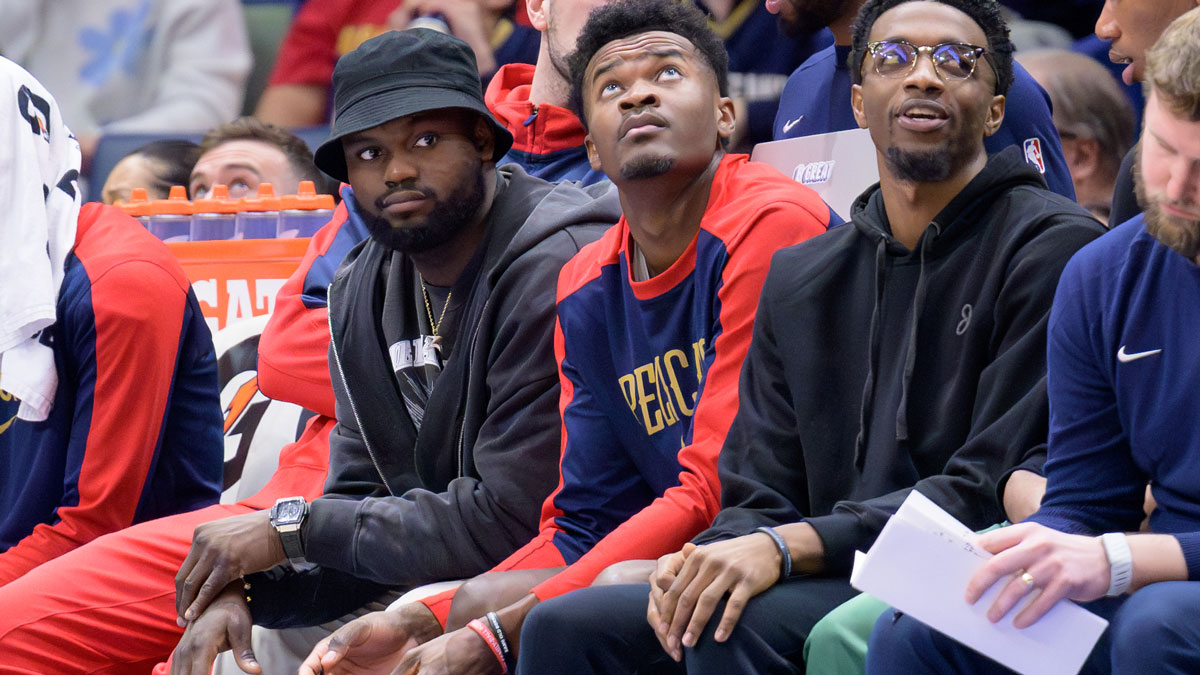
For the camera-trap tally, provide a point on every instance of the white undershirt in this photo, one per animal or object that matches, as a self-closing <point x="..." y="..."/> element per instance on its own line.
<point x="638" y="267"/>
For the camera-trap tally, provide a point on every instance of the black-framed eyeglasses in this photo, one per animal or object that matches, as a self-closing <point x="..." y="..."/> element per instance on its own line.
<point x="951" y="60"/>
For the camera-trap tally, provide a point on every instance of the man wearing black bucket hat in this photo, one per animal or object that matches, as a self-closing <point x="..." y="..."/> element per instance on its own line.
<point x="441" y="355"/>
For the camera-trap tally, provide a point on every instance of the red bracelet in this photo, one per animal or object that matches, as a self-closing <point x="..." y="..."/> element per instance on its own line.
<point x="486" y="633"/>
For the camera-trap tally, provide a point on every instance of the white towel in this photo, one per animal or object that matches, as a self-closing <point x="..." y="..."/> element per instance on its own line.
<point x="39" y="207"/>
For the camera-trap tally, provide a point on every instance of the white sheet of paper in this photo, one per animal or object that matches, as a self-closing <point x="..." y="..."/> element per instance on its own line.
<point x="920" y="564"/>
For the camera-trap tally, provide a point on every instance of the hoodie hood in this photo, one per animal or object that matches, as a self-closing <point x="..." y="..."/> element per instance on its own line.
<point x="1004" y="171"/>
<point x="566" y="204"/>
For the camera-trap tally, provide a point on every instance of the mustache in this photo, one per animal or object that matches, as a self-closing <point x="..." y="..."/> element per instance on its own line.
<point x="1184" y="204"/>
<point x="409" y="187"/>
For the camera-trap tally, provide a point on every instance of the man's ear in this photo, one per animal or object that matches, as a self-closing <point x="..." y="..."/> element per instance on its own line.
<point x="593" y="156"/>
<point x="726" y="117"/>
<point x="856" y="104"/>
<point x="485" y="139"/>
<point x="536" y="10"/>
<point x="995" y="116"/>
<point x="1082" y="156"/>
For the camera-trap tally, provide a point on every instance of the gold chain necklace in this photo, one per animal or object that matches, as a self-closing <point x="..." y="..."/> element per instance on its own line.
<point x="429" y="310"/>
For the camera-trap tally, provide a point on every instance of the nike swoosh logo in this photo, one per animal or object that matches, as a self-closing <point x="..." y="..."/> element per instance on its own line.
<point x="4" y="427"/>
<point x="787" y="126"/>
<point x="1124" y="357"/>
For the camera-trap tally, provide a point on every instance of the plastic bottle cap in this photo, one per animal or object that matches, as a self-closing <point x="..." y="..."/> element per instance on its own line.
<point x="217" y="201"/>
<point x="306" y="199"/>
<point x="138" y="204"/>
<point x="265" y="201"/>
<point x="176" y="203"/>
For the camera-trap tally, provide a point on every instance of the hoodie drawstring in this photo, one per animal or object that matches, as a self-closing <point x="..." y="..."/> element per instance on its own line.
<point x="910" y="350"/>
<point x="868" y="395"/>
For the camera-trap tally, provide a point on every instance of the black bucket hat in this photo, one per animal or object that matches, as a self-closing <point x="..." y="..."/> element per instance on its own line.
<point x="397" y="74"/>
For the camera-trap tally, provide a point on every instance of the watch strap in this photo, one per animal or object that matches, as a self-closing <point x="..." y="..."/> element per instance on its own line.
<point x="1120" y="562"/>
<point x="289" y="533"/>
<point x="293" y="547"/>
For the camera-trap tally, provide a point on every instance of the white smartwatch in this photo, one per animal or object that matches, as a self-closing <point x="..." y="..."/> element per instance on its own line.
<point x="1120" y="562"/>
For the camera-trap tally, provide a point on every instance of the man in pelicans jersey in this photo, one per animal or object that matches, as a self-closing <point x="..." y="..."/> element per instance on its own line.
<point x="653" y="324"/>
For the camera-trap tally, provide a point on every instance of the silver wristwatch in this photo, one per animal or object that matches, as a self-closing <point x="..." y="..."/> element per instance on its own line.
<point x="287" y="516"/>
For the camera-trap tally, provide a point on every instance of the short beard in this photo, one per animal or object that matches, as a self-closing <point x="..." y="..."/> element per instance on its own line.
<point x="646" y="167"/>
<point x="1181" y="235"/>
<point x="928" y="166"/>
<point x="447" y="219"/>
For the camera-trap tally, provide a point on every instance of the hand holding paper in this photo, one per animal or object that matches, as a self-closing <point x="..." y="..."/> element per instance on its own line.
<point x="922" y="562"/>
<point x="1060" y="566"/>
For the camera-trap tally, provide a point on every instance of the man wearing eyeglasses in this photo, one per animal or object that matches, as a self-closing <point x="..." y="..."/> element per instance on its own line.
<point x="906" y="350"/>
<point x="1028" y="123"/>
<point x="1122" y="363"/>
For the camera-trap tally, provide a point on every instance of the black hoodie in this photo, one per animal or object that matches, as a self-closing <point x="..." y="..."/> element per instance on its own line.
<point x="874" y="369"/>
<point x="403" y="508"/>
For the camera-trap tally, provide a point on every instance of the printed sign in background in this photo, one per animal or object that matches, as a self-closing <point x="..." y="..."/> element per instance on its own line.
<point x="236" y="283"/>
<point x="838" y="165"/>
<point x="237" y="280"/>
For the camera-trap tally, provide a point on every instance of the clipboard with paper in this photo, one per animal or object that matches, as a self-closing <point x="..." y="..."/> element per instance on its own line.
<point x="920" y="564"/>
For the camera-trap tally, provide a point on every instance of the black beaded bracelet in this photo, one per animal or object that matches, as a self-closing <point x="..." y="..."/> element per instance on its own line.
<point x="785" y="564"/>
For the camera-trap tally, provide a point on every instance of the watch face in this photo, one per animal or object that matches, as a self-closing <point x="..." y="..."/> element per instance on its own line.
<point x="289" y="513"/>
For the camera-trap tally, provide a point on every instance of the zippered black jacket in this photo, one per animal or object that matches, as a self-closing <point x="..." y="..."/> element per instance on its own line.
<point x="874" y="369"/>
<point x="403" y="509"/>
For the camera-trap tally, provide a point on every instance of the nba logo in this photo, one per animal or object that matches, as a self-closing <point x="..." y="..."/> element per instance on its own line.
<point x="1033" y="154"/>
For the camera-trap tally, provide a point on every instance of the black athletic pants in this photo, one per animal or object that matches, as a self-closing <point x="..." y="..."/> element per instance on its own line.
<point x="603" y="630"/>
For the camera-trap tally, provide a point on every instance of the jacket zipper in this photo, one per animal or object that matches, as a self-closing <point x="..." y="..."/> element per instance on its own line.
<point x="462" y="429"/>
<point x="337" y="358"/>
